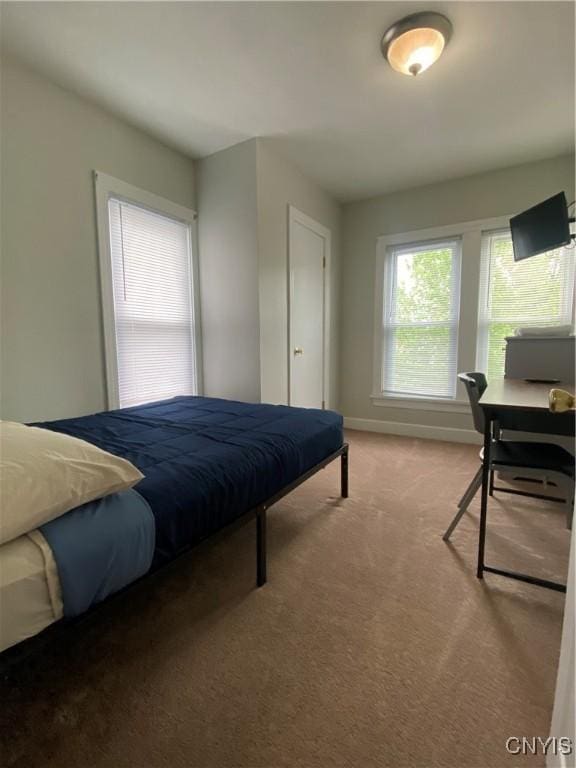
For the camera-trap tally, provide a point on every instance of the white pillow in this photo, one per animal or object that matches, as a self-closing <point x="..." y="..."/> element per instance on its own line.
<point x="44" y="474"/>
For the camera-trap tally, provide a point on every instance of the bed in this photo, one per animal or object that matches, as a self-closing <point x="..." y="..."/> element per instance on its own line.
<point x="207" y="463"/>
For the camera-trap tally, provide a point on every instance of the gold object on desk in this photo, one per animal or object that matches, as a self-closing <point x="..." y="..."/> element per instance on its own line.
<point x="561" y="401"/>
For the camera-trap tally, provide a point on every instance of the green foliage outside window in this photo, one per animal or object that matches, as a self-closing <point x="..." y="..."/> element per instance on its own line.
<point x="424" y="294"/>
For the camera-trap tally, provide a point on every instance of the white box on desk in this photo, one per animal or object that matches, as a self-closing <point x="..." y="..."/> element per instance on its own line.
<point x="541" y="357"/>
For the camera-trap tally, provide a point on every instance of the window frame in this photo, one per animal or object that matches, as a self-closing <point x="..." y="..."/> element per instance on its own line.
<point x="107" y="187"/>
<point x="389" y="288"/>
<point x="470" y="234"/>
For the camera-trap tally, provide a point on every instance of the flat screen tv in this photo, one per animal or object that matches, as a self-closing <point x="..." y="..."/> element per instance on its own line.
<point x="541" y="228"/>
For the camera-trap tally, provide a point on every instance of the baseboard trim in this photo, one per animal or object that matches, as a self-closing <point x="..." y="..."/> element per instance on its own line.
<point x="424" y="431"/>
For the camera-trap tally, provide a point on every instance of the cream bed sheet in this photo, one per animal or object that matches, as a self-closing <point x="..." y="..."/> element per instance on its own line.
<point x="30" y="596"/>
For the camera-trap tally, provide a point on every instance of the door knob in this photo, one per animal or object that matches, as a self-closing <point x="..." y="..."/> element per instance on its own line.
<point x="298" y="351"/>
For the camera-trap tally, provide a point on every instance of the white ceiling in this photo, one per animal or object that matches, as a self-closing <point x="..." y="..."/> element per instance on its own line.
<point x="310" y="76"/>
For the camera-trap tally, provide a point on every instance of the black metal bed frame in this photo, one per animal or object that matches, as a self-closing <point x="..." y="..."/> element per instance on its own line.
<point x="16" y="653"/>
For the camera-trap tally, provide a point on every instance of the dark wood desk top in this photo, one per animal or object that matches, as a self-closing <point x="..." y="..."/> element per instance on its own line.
<point x="518" y="394"/>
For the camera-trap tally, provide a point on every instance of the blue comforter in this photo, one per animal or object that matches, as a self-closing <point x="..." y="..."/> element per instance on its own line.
<point x="207" y="461"/>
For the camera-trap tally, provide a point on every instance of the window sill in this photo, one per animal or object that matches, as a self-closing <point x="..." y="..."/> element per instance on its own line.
<point x="420" y="403"/>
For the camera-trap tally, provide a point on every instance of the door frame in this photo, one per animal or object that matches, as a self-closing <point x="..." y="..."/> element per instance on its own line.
<point x="296" y="216"/>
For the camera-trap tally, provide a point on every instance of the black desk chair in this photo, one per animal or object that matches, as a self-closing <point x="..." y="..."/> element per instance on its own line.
<point x="534" y="459"/>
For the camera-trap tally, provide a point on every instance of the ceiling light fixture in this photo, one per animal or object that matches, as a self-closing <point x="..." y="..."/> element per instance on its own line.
<point x="414" y="43"/>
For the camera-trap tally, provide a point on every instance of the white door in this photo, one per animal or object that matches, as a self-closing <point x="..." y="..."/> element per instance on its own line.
<point x="309" y="262"/>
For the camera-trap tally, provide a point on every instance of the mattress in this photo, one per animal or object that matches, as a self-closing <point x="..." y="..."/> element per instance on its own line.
<point x="207" y="461"/>
<point x="30" y="595"/>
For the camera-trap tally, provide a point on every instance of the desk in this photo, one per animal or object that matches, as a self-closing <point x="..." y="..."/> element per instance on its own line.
<point x="517" y="405"/>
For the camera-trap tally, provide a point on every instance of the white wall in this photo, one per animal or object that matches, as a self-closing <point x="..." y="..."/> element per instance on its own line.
<point x="482" y="196"/>
<point x="280" y="184"/>
<point x="52" y="362"/>
<point x="243" y="198"/>
<point x="228" y="246"/>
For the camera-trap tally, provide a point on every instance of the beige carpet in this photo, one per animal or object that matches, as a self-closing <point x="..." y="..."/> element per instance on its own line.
<point x="373" y="644"/>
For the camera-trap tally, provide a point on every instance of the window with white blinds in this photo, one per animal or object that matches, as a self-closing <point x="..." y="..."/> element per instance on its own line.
<point x="420" y="319"/>
<point x="151" y="271"/>
<point x="535" y="292"/>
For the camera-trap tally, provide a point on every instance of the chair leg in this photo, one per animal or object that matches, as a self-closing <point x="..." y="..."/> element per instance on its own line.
<point x="491" y="489"/>
<point x="464" y="499"/>
<point x="456" y="519"/>
<point x="464" y="503"/>
<point x="472" y="489"/>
